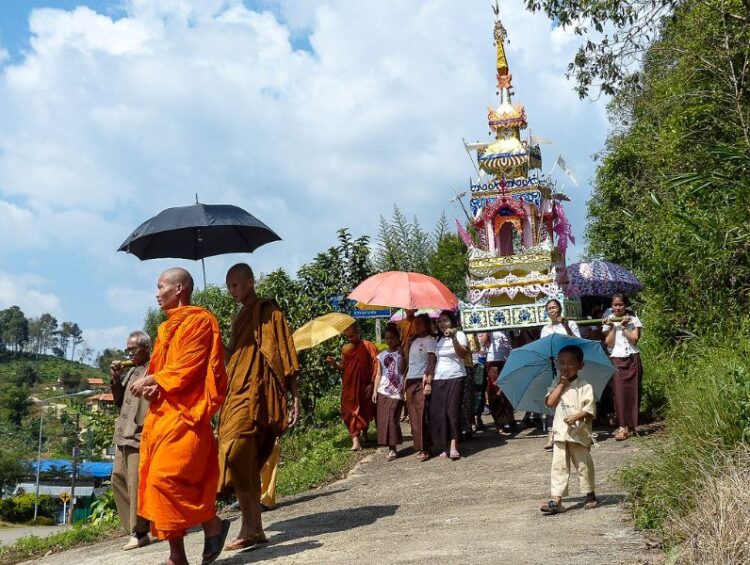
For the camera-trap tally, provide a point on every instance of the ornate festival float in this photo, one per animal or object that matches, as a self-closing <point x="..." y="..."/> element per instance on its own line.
<point x="516" y="258"/>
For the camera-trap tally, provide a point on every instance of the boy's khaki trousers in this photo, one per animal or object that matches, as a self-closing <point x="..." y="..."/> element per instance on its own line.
<point x="564" y="454"/>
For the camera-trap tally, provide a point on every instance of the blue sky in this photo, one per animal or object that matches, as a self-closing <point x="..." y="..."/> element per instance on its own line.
<point x="311" y="114"/>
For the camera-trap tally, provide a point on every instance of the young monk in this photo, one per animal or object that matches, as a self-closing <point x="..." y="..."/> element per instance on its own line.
<point x="389" y="390"/>
<point x="186" y="384"/>
<point x="359" y="363"/>
<point x="262" y="369"/>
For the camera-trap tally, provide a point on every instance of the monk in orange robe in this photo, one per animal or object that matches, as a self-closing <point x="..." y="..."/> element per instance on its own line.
<point x="407" y="328"/>
<point x="186" y="384"/>
<point x="262" y="370"/>
<point x="359" y="363"/>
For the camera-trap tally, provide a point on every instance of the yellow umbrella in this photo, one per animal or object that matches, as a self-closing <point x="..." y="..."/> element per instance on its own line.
<point x="319" y="329"/>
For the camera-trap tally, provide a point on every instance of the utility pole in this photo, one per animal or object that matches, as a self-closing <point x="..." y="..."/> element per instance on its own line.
<point x="75" y="471"/>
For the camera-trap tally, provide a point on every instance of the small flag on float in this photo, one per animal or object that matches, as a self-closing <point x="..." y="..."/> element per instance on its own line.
<point x="565" y="168"/>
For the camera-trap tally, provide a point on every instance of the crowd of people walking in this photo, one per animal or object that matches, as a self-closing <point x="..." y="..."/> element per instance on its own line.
<point x="448" y="379"/>
<point x="169" y="396"/>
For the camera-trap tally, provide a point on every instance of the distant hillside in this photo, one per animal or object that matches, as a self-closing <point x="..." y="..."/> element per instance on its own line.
<point x="48" y="368"/>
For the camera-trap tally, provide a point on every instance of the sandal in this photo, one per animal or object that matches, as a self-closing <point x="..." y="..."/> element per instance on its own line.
<point x="622" y="434"/>
<point x="423" y="456"/>
<point x="552" y="507"/>
<point x="213" y="545"/>
<point x="591" y="502"/>
<point x="391" y="455"/>
<point x="245" y="543"/>
<point x="443" y="455"/>
<point x="455" y="455"/>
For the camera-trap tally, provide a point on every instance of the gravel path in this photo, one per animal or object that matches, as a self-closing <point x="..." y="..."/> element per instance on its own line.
<point x="481" y="509"/>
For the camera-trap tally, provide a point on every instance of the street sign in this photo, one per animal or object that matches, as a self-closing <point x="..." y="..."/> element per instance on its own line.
<point x="65" y="497"/>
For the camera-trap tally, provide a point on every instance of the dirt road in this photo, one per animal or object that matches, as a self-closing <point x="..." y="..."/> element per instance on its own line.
<point x="481" y="509"/>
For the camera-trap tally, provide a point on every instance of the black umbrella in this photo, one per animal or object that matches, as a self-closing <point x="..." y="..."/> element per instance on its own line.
<point x="198" y="231"/>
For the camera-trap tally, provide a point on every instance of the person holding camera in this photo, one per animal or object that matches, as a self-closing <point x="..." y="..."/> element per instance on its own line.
<point x="127" y="438"/>
<point x="447" y="387"/>
<point x="622" y="330"/>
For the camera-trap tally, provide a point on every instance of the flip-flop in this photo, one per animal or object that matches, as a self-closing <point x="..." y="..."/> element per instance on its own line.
<point x="552" y="507"/>
<point x="213" y="545"/>
<point x="245" y="543"/>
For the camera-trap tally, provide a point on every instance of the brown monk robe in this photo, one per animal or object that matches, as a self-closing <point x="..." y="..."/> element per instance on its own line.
<point x="186" y="384"/>
<point x="262" y="368"/>
<point x="359" y="362"/>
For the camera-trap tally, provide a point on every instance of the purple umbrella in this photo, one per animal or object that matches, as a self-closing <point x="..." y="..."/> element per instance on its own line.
<point x="600" y="278"/>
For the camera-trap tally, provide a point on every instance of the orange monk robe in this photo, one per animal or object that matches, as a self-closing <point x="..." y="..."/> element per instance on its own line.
<point x="179" y="468"/>
<point x="406" y="329"/>
<point x="262" y="361"/>
<point x="360" y="362"/>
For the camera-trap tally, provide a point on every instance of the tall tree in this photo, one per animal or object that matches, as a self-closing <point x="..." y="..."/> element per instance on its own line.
<point x="48" y="325"/>
<point x="403" y="245"/>
<point x="15" y="328"/>
<point x="448" y="263"/>
<point x="14" y="402"/>
<point x="76" y="338"/>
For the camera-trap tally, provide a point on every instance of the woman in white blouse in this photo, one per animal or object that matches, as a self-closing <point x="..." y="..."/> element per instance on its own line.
<point x="447" y="387"/>
<point x="557" y="324"/>
<point x="622" y="330"/>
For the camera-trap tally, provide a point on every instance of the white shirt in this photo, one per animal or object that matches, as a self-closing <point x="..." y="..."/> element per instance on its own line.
<point x="559" y="328"/>
<point x="623" y="347"/>
<point x="449" y="364"/>
<point x="499" y="347"/>
<point x="576" y="397"/>
<point x="419" y="355"/>
<point x="391" y="379"/>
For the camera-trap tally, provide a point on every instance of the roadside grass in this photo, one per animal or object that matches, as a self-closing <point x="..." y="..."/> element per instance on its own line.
<point x="316" y="454"/>
<point x="30" y="547"/>
<point x="706" y="403"/>
<point x="718" y="529"/>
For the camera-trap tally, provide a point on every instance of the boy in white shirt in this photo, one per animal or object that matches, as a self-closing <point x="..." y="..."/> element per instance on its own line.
<point x="575" y="408"/>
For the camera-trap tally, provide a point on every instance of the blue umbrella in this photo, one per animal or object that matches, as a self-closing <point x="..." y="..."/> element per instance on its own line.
<point x="530" y="370"/>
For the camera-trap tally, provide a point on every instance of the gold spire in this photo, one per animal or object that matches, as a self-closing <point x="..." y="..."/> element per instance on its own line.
<point x="504" y="77"/>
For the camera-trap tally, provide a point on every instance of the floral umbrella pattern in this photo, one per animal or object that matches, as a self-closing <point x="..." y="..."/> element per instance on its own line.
<point x="600" y="278"/>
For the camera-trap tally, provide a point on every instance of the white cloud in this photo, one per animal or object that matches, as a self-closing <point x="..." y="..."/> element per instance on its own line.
<point x="99" y="339"/>
<point x="126" y="300"/>
<point x="28" y="291"/>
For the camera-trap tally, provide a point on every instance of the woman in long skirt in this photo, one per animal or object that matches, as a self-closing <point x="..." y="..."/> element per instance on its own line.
<point x="447" y="387"/>
<point x="421" y="368"/>
<point x="622" y="330"/>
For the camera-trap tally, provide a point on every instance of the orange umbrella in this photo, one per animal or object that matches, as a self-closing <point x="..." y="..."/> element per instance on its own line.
<point x="398" y="289"/>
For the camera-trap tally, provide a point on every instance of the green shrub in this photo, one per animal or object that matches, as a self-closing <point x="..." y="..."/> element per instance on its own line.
<point x="707" y="389"/>
<point x="104" y="509"/>
<point x="313" y="455"/>
<point x="21" y="508"/>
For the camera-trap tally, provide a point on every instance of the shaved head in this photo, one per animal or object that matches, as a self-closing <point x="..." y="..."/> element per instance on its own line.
<point x="241" y="269"/>
<point x="241" y="283"/>
<point x="175" y="288"/>
<point x="178" y="275"/>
